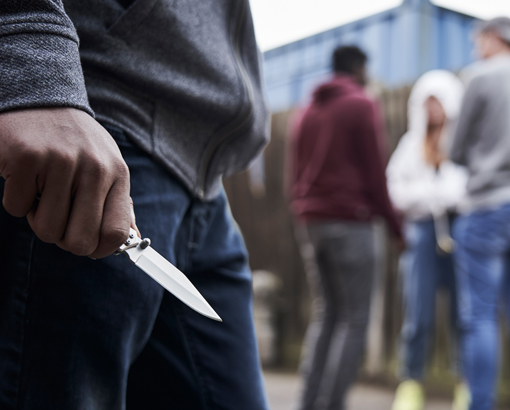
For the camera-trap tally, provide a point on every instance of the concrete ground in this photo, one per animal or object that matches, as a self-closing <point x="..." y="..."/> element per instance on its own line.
<point x="283" y="390"/>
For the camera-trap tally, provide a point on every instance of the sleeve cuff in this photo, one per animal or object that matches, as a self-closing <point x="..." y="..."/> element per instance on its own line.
<point x="41" y="70"/>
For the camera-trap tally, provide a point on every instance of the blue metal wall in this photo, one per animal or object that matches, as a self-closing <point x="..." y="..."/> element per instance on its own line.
<point x="402" y="43"/>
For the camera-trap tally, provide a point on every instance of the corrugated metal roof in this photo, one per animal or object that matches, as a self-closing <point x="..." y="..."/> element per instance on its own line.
<point x="402" y="43"/>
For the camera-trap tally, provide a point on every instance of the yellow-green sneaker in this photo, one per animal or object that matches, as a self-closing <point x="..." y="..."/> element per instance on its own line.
<point x="461" y="397"/>
<point x="409" y="396"/>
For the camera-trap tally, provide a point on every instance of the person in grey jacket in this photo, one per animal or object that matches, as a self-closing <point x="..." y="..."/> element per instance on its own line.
<point x="482" y="144"/>
<point x="105" y="104"/>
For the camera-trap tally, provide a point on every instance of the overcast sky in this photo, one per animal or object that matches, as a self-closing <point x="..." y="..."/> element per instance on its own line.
<point x="279" y="22"/>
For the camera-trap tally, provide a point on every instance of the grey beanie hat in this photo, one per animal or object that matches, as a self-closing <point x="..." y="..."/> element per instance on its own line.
<point x="498" y="25"/>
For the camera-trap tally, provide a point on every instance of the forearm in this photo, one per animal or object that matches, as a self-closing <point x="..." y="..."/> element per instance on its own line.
<point x="457" y="146"/>
<point x="375" y="173"/>
<point x="49" y="149"/>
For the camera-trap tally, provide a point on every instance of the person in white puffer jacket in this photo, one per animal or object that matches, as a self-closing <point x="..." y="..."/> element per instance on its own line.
<point x="428" y="190"/>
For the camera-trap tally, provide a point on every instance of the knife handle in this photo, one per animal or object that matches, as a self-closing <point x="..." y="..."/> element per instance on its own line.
<point x="133" y="247"/>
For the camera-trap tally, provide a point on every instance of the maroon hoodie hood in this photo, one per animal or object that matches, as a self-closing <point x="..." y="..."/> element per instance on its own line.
<point x="340" y="85"/>
<point x="338" y="165"/>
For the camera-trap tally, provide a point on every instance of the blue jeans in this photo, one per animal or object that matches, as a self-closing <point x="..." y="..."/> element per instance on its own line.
<point x="424" y="270"/>
<point x="482" y="265"/>
<point x="80" y="334"/>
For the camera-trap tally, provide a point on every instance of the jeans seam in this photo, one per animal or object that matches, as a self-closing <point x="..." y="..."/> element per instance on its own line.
<point x="187" y="261"/>
<point x="188" y="338"/>
<point x="24" y="324"/>
<point x="191" y="238"/>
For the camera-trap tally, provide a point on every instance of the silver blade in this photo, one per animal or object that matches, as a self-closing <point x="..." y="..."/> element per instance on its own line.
<point x="173" y="280"/>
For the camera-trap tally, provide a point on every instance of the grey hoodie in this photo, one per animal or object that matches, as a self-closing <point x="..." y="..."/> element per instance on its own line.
<point x="482" y="138"/>
<point x="181" y="77"/>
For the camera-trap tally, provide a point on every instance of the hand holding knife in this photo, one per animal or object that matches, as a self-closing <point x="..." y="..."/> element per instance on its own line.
<point x="140" y="253"/>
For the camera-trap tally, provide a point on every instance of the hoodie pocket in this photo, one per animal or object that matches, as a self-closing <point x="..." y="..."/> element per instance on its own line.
<point x="128" y="23"/>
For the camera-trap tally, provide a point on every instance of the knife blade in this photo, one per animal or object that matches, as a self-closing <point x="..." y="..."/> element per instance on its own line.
<point x="167" y="275"/>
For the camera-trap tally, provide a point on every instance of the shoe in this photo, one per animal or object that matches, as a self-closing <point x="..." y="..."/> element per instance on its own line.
<point x="409" y="396"/>
<point x="461" y="397"/>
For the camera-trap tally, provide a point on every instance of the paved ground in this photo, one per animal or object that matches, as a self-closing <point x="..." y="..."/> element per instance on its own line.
<point x="283" y="389"/>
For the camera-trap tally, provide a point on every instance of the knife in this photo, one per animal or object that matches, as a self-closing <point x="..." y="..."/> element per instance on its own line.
<point x="167" y="275"/>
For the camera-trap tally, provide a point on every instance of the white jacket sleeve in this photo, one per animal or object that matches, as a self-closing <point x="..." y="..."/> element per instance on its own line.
<point x="409" y="190"/>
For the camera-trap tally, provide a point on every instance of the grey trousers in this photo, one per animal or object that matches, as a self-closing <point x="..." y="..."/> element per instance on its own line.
<point x="339" y="258"/>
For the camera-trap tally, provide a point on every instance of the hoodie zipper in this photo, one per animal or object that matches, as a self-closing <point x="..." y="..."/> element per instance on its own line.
<point x="238" y="123"/>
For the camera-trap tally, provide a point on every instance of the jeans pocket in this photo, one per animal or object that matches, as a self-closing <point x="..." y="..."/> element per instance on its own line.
<point x="484" y="232"/>
<point x="117" y="134"/>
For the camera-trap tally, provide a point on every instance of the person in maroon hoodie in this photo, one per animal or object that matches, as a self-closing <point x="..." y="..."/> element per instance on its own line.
<point x="338" y="186"/>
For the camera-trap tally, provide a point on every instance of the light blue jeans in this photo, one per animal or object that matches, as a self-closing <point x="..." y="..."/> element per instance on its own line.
<point x="424" y="270"/>
<point x="482" y="266"/>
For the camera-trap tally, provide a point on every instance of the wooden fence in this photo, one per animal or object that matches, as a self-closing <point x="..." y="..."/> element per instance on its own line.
<point x="267" y="228"/>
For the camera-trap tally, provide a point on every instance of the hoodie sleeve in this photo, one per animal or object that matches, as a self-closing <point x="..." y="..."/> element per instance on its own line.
<point x="40" y="63"/>
<point x="472" y="105"/>
<point x="409" y="189"/>
<point x="369" y="131"/>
